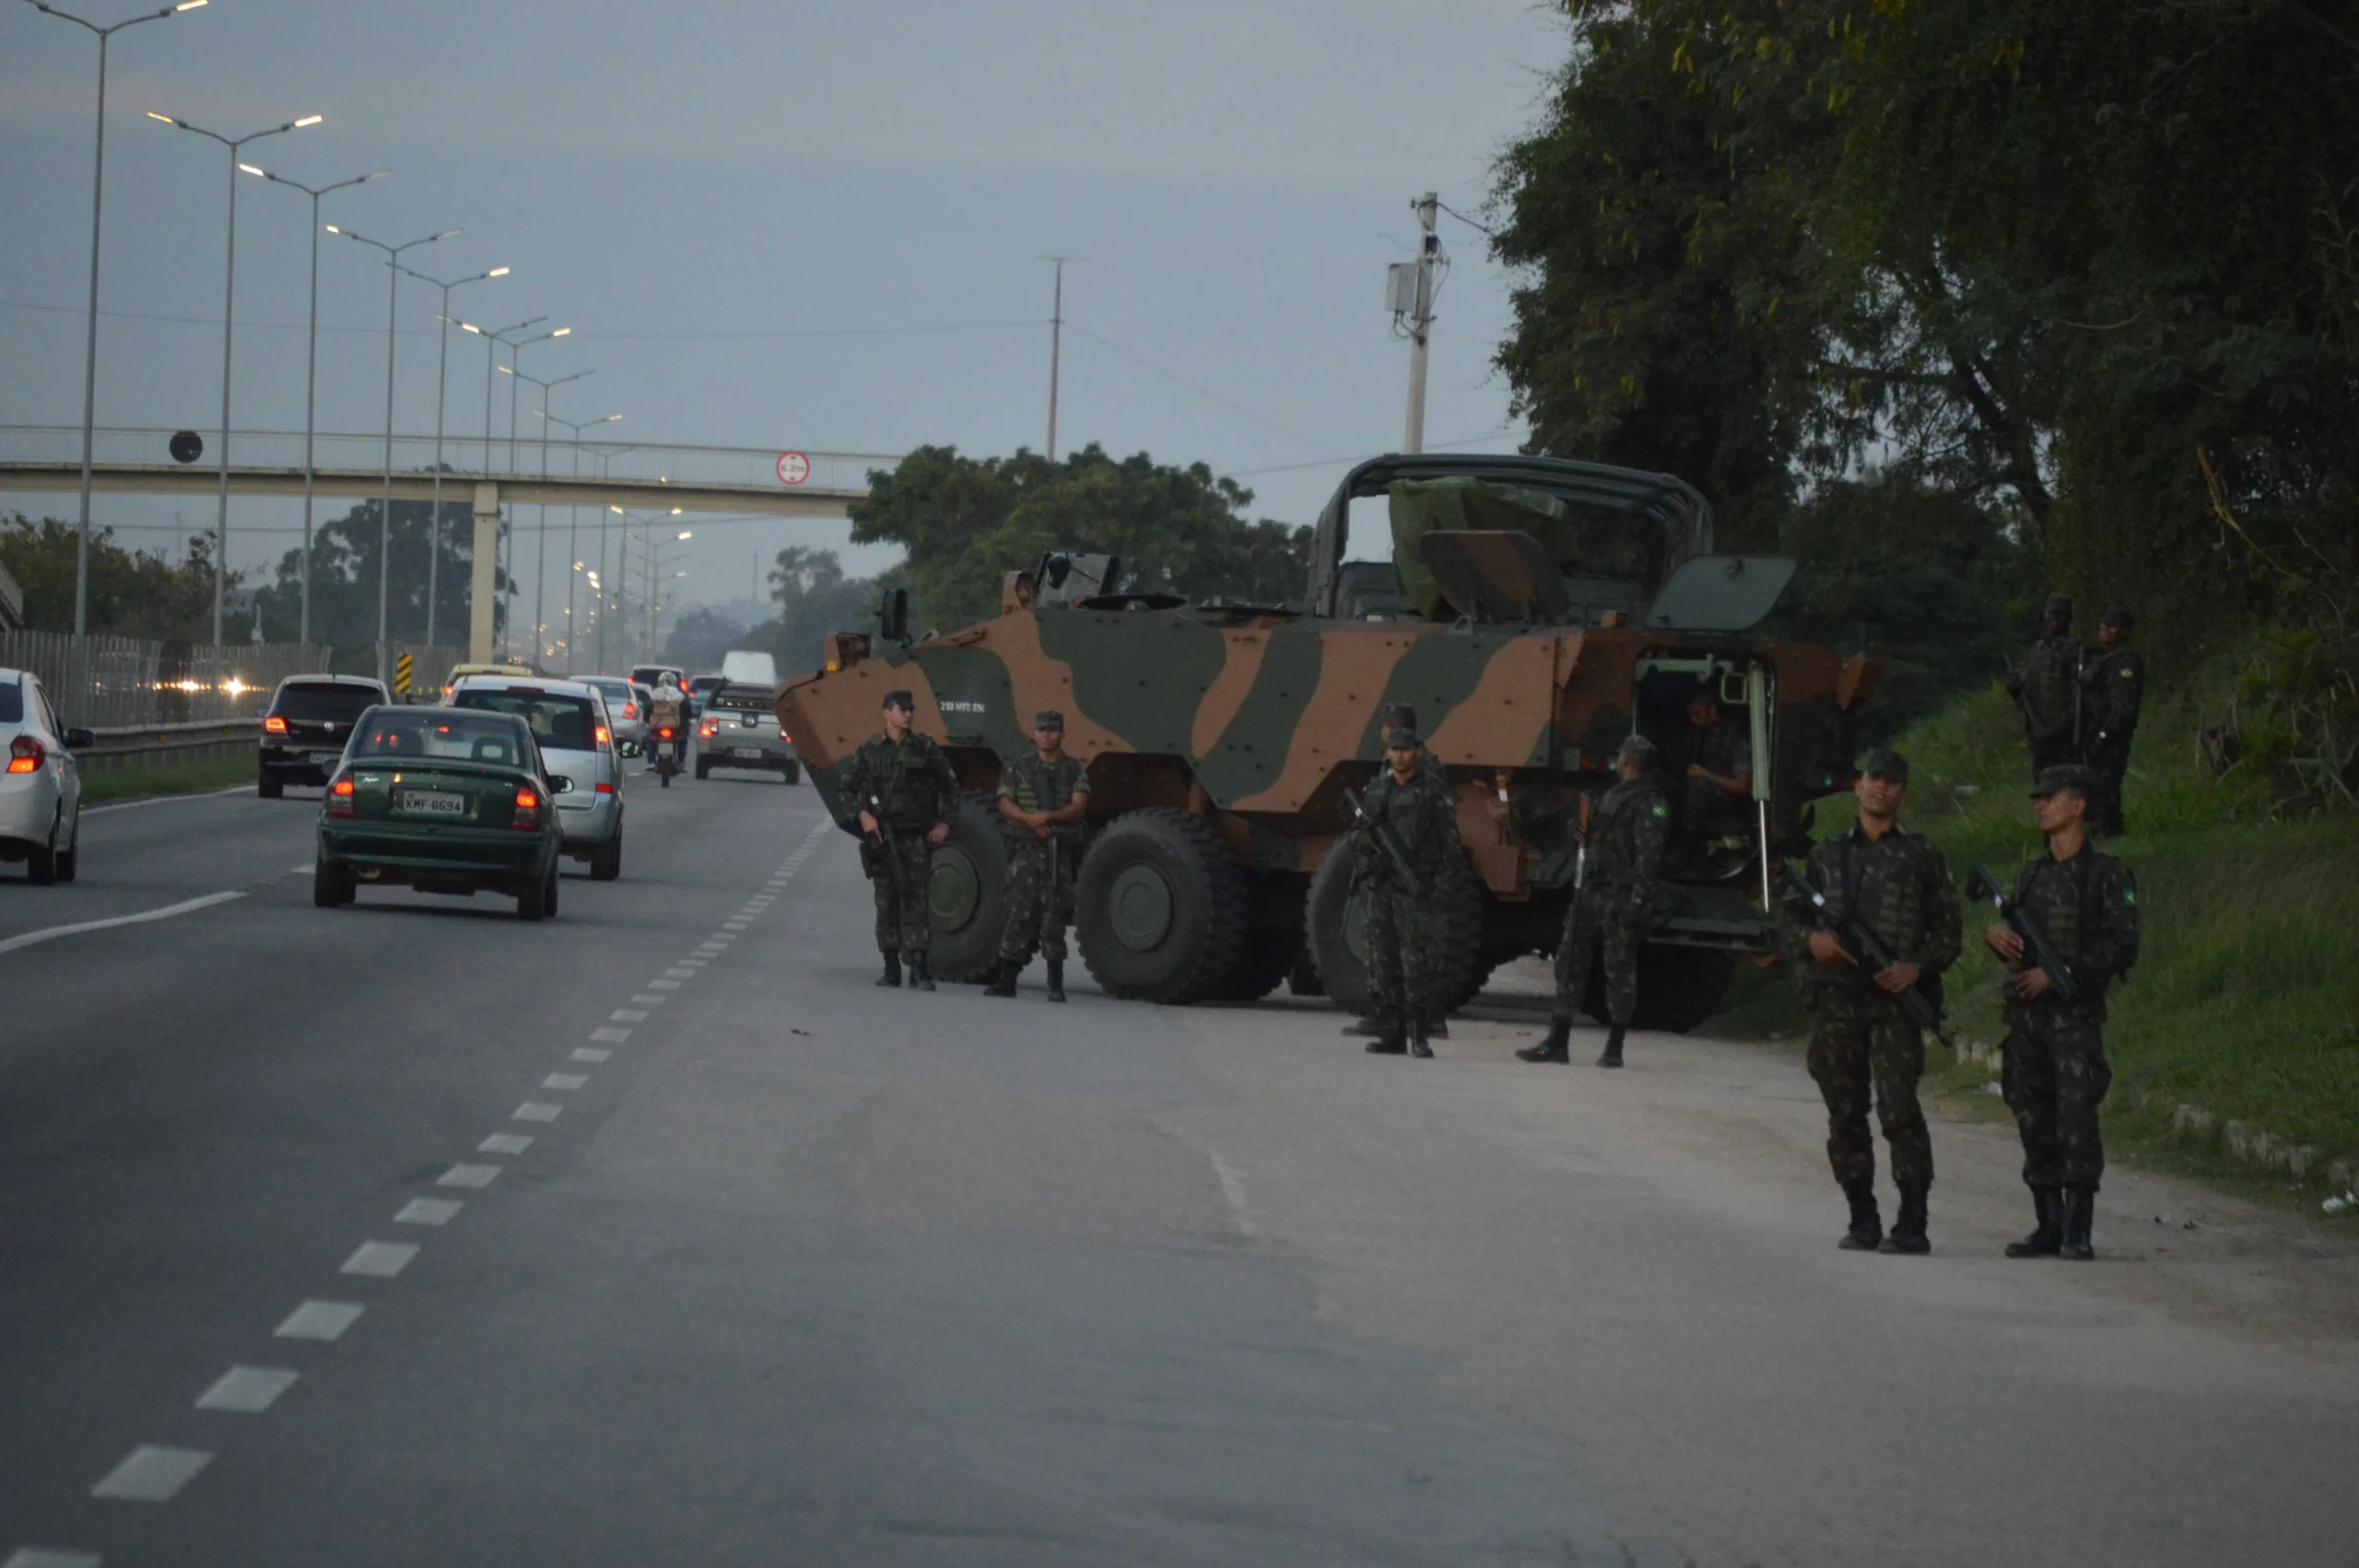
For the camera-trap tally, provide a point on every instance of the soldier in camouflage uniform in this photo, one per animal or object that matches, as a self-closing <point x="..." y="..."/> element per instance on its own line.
<point x="2048" y="689"/>
<point x="906" y="791"/>
<point x="1712" y="769"/>
<point x="2055" y="1073"/>
<point x="1862" y="1043"/>
<point x="2113" y="689"/>
<point x="1626" y="836"/>
<point x="1415" y="803"/>
<point x="1397" y="715"/>
<point x="1043" y="798"/>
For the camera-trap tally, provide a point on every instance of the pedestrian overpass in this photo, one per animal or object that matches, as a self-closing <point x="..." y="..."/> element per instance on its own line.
<point x="633" y="476"/>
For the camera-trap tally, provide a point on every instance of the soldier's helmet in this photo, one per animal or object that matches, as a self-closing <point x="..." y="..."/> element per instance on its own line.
<point x="1640" y="749"/>
<point x="2065" y="776"/>
<point x="1882" y="762"/>
<point x="2061" y="605"/>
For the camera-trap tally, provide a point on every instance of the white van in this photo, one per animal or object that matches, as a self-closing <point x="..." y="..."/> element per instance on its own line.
<point x="748" y="669"/>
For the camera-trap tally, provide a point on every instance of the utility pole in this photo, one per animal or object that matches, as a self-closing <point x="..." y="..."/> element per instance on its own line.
<point x="1056" y="344"/>
<point x="1421" y="319"/>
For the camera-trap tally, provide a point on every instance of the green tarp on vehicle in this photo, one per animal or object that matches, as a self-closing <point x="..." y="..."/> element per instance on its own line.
<point x="1574" y="540"/>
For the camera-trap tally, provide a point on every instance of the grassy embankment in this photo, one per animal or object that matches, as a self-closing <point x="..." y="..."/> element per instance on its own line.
<point x="2246" y="997"/>
<point x="102" y="785"/>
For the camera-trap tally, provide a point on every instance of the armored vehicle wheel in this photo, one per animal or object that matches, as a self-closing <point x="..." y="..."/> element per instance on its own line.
<point x="1161" y="908"/>
<point x="1260" y="970"/>
<point x="1273" y="947"/>
<point x="1339" y="923"/>
<point x="966" y="894"/>
<point x="1681" y="987"/>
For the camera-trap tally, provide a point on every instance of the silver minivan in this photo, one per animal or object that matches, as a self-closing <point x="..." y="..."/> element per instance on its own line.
<point x="576" y="735"/>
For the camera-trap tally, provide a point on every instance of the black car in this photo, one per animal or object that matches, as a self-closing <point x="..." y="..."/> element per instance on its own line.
<point x="306" y="726"/>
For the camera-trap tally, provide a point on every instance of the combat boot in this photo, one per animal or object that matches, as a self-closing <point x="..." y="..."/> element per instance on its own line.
<point x="1867" y="1226"/>
<point x="1554" y="1046"/>
<point x="1390" y="1038"/>
<point x="1611" y="1056"/>
<point x="1908" y="1236"/>
<point x="1004" y="975"/>
<point x="1419" y="1040"/>
<point x="919" y="978"/>
<point x="2047" y="1238"/>
<point x="2079" y="1215"/>
<point x="1056" y="979"/>
<point x="892" y="974"/>
<point x="1364" y="1029"/>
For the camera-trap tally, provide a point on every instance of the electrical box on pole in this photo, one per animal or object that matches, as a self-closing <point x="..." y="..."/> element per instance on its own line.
<point x="1401" y="287"/>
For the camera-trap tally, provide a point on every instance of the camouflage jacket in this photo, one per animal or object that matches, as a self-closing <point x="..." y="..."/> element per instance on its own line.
<point x="1899" y="888"/>
<point x="2088" y="908"/>
<point x="1421" y="814"/>
<point x="1627" y="833"/>
<point x="914" y="781"/>
<point x="2050" y="685"/>
<point x="1038" y="786"/>
<point x="2113" y="687"/>
<point x="1724" y="750"/>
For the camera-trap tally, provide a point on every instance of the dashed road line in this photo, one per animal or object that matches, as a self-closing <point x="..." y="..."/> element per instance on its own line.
<point x="247" y="1390"/>
<point x="151" y="1474"/>
<point x="590" y="1054"/>
<point x="611" y="1035"/>
<point x="429" y="1212"/>
<point x="650" y="1001"/>
<point x="536" y="1110"/>
<point x="504" y="1144"/>
<point x="476" y="1176"/>
<point x="51" y="933"/>
<point x="676" y="973"/>
<point x="50" y="1556"/>
<point x="564" y="1082"/>
<point x="627" y="1015"/>
<point x="662" y="985"/>
<point x="319" y="1320"/>
<point x="379" y="1260"/>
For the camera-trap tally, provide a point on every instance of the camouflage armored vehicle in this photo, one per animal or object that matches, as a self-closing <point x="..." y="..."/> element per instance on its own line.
<point x="1533" y="612"/>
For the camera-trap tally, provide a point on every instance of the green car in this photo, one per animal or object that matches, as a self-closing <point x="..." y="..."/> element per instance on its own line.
<point x="442" y="799"/>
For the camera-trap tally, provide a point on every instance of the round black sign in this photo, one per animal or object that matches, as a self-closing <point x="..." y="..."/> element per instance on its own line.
<point x="187" y="446"/>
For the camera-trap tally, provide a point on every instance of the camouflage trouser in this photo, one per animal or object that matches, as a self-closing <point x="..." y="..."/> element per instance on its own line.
<point x="2055" y="1076"/>
<point x="902" y="925"/>
<point x="1863" y="1046"/>
<point x="1400" y="955"/>
<point x="2108" y="764"/>
<point x="1037" y="912"/>
<point x="1599" y="916"/>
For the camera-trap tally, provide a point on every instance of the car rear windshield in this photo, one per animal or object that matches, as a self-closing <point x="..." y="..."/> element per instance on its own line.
<point x="651" y="675"/>
<point x="559" y="720"/>
<point x="705" y="684"/>
<point x="329" y="700"/>
<point x="614" y="691"/>
<point x="447" y="736"/>
<point x="12" y="700"/>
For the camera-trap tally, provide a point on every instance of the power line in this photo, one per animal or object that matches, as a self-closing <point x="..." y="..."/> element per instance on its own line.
<point x="1231" y="405"/>
<point x="585" y="333"/>
<point x="1481" y="228"/>
<point x="1362" y="457"/>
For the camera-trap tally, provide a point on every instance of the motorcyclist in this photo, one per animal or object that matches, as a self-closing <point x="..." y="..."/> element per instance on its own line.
<point x="670" y="709"/>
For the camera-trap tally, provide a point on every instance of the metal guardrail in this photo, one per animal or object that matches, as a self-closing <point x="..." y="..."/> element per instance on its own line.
<point x="126" y="746"/>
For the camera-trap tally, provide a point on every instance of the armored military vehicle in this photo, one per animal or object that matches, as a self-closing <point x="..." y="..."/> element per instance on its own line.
<point x="1531" y="611"/>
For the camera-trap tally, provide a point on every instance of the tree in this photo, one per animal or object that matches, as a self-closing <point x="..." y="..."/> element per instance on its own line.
<point x="343" y="578"/>
<point x="132" y="592"/>
<point x="699" y="638"/>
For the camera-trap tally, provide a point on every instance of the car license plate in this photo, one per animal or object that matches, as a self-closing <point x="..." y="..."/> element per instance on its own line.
<point x="754" y="752"/>
<point x="430" y="803"/>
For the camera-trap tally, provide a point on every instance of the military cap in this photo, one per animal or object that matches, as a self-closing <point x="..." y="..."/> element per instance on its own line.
<point x="2067" y="776"/>
<point x="1402" y="735"/>
<point x="1637" y="749"/>
<point x="1047" y="718"/>
<point x="1882" y="762"/>
<point x="2115" y="617"/>
<point x="902" y="700"/>
<point x="2060" y="604"/>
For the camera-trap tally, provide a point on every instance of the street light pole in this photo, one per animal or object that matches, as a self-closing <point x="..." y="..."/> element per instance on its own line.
<point x="441" y="398"/>
<point x="393" y="270"/>
<point x="492" y="340"/>
<point x="541" y="570"/>
<point x="90" y="345"/>
<point x="573" y="529"/>
<point x="228" y="313"/>
<point x="311" y="374"/>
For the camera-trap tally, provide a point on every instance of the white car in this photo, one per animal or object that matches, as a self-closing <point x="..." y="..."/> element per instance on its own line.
<point x="41" y="788"/>
<point x="569" y="723"/>
<point x="623" y="709"/>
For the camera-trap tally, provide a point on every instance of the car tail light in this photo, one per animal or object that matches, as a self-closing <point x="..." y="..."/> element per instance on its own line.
<point x="708" y="728"/>
<point x="784" y="736"/>
<point x="24" y="755"/>
<point x="630" y="710"/>
<point x="274" y="725"/>
<point x="606" y="789"/>
<point x="340" y="796"/>
<point x="528" y="809"/>
<point x="605" y="737"/>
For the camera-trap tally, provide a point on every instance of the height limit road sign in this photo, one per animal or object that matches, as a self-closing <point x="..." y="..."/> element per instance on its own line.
<point x="793" y="468"/>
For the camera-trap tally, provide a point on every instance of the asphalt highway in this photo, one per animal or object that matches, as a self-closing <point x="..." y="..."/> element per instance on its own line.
<point x="411" y="1233"/>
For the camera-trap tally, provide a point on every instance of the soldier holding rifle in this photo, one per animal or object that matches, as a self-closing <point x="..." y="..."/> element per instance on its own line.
<point x="2113" y="687"/>
<point x="2070" y="929"/>
<point x="906" y="790"/>
<point x="1405" y="831"/>
<point x="1042" y="798"/>
<point x="2048" y="689"/>
<point x="1877" y="921"/>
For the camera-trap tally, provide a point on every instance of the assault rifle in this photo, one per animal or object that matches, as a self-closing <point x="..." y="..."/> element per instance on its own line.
<point x="2020" y="920"/>
<point x="1387" y="842"/>
<point x="892" y="851"/>
<point x="1873" y="957"/>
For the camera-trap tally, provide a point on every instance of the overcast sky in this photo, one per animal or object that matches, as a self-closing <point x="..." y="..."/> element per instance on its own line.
<point x="881" y="176"/>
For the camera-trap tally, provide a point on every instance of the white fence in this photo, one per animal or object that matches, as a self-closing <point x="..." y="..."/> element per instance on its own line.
<point x="105" y="682"/>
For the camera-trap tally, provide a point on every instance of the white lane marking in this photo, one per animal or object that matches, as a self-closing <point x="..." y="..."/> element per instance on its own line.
<point x="733" y="925"/>
<point x="590" y="1054"/>
<point x="627" y="1015"/>
<point x="610" y="1035"/>
<point x="676" y="973"/>
<point x="48" y="1556"/>
<point x="476" y="1176"/>
<point x="712" y="949"/>
<point x="1232" y="1186"/>
<point x="536" y="1110"/>
<point x="50" y="933"/>
<point x="565" y="1080"/>
<point x="319" y="1320"/>
<point x="429" y="1212"/>
<point x="650" y="1001"/>
<point x="692" y="965"/>
<point x="661" y="986"/>
<point x="247" y="1390"/>
<point x="298" y="871"/>
<point x="379" y="1259"/>
<point x="504" y="1144"/>
<point x="149" y="1474"/>
<point x="169" y="800"/>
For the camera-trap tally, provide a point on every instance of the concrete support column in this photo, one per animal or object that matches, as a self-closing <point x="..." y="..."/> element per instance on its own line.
<point x="483" y="592"/>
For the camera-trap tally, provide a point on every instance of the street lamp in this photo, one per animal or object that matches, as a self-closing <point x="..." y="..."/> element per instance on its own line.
<point x="572" y="524"/>
<point x="492" y="339"/>
<point x="228" y="310"/>
<point x="516" y="352"/>
<point x="90" y="347"/>
<point x="311" y="376"/>
<point x="541" y="566"/>
<point x="441" y="396"/>
<point x="393" y="270"/>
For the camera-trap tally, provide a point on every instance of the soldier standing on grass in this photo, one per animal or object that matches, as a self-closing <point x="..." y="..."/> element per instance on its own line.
<point x="2048" y="689"/>
<point x="1626" y="836"/>
<point x="1043" y="798"/>
<point x="2054" y="1072"/>
<point x="1415" y="803"/>
<point x="905" y="790"/>
<point x="2113" y="689"/>
<point x="1862" y="1043"/>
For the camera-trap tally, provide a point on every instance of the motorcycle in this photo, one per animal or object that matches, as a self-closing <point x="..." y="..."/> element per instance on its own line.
<point x="667" y="756"/>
